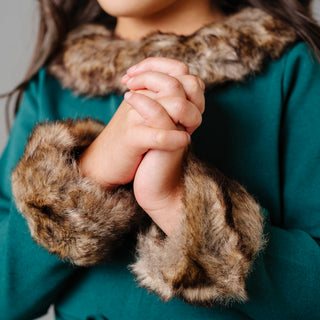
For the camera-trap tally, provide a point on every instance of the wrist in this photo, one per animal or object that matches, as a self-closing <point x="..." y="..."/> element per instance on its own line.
<point x="167" y="213"/>
<point x="90" y="167"/>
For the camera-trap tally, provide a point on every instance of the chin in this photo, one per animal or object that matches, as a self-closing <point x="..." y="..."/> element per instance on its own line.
<point x="131" y="8"/>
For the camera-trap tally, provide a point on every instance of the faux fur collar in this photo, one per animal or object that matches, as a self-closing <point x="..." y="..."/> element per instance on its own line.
<point x="92" y="61"/>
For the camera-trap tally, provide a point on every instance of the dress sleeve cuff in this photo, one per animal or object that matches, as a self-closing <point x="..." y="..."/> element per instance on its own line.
<point x="208" y="260"/>
<point x="66" y="213"/>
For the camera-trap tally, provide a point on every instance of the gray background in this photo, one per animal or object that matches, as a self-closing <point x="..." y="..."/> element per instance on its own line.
<point x="18" y="28"/>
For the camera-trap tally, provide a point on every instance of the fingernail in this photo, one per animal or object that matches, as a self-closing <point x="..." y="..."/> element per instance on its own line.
<point x="129" y="81"/>
<point x="127" y="95"/>
<point x="132" y="69"/>
<point x="125" y="79"/>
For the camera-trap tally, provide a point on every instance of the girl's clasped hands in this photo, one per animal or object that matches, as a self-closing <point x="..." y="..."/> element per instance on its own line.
<point x="147" y="137"/>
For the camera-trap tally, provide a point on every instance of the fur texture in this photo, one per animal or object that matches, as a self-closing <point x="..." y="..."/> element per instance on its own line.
<point x="221" y="232"/>
<point x="92" y="61"/>
<point x="209" y="259"/>
<point x="66" y="213"/>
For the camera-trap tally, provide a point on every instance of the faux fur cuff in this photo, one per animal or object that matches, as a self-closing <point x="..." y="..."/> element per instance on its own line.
<point x="92" y="61"/>
<point x="208" y="260"/>
<point x="66" y="213"/>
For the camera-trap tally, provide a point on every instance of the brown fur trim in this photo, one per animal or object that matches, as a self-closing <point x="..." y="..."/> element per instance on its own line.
<point x="92" y="61"/>
<point x="67" y="214"/>
<point x="209" y="259"/>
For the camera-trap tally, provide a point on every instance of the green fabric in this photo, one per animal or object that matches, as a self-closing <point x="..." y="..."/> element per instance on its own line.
<point x="263" y="132"/>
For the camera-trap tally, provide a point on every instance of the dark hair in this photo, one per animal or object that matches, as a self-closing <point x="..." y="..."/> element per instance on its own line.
<point x="58" y="17"/>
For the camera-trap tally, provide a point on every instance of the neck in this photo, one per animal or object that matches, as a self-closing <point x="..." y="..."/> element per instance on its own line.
<point x="182" y="18"/>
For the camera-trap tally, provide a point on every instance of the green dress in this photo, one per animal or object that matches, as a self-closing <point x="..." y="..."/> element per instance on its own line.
<point x="263" y="132"/>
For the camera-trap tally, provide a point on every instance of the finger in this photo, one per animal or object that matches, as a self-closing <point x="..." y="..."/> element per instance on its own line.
<point x="182" y="111"/>
<point x="166" y="111"/>
<point x="148" y="138"/>
<point x="147" y="93"/>
<point x="150" y="110"/>
<point x="194" y="89"/>
<point x="169" y="66"/>
<point x="160" y="83"/>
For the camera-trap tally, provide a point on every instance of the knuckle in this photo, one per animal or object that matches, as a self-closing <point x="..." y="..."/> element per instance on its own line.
<point x="161" y="138"/>
<point x="193" y="83"/>
<point x="180" y="106"/>
<point x="193" y="80"/>
<point x="183" y="67"/>
<point x="174" y="84"/>
<point x="155" y="111"/>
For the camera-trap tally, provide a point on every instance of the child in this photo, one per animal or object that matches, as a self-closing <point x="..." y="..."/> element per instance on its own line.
<point x="104" y="183"/>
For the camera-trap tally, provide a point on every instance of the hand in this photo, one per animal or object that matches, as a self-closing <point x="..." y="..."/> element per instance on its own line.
<point x="167" y="101"/>
<point x="170" y="83"/>
<point x="114" y="156"/>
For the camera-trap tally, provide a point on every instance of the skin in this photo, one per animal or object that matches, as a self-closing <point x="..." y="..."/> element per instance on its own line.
<point x="136" y="19"/>
<point x="146" y="139"/>
<point x="157" y="183"/>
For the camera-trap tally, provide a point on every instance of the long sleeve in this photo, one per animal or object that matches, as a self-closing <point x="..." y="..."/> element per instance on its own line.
<point x="209" y="258"/>
<point x="284" y="281"/>
<point x="47" y="199"/>
<point x="67" y="214"/>
<point x="31" y="279"/>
